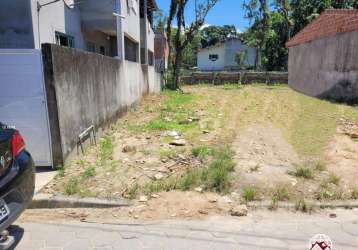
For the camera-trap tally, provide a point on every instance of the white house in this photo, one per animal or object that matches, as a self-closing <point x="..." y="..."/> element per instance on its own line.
<point x="108" y="27"/>
<point x="223" y="55"/>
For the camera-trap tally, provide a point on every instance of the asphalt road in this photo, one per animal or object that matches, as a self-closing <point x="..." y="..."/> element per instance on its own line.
<point x="259" y="230"/>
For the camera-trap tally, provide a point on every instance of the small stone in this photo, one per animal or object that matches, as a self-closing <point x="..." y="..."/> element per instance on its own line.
<point x="206" y="131"/>
<point x="173" y="215"/>
<point x="148" y="137"/>
<point x="155" y="196"/>
<point x="199" y="189"/>
<point x="143" y="198"/>
<point x="172" y="133"/>
<point x="240" y="210"/>
<point x="227" y="199"/>
<point x="129" y="149"/>
<point x="180" y="142"/>
<point x="213" y="200"/>
<point x="201" y="211"/>
<point x="158" y="176"/>
<point x="332" y="215"/>
<point x="177" y="137"/>
<point x="136" y="217"/>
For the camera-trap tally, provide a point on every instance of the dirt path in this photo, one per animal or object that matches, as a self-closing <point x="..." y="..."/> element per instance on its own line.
<point x="263" y="157"/>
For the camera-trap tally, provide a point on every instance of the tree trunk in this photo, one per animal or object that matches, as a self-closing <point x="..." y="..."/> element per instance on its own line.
<point x="176" y="69"/>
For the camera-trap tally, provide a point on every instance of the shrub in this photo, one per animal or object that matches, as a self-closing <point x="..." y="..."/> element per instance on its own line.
<point x="250" y="193"/>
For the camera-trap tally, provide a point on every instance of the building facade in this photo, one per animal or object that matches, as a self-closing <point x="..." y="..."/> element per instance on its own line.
<point x="116" y="28"/>
<point x="323" y="57"/>
<point x="223" y="56"/>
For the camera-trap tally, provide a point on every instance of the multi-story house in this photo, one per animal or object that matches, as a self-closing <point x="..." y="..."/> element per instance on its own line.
<point x="67" y="65"/>
<point x="118" y="28"/>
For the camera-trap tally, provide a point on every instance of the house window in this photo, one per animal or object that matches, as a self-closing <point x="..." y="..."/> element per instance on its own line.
<point x="91" y="47"/>
<point x="213" y="57"/>
<point x="150" y="58"/>
<point x="131" y="50"/>
<point x="102" y="50"/>
<point x="65" y="40"/>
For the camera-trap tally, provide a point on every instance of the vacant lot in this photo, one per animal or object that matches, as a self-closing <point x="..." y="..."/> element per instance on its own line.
<point x="243" y="143"/>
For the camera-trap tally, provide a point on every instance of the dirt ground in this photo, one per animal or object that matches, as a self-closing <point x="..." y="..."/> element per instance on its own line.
<point x="286" y="147"/>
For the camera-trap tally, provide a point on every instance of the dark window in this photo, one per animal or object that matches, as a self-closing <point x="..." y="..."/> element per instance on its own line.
<point x="150" y="58"/>
<point x="102" y="50"/>
<point x="65" y="40"/>
<point x="131" y="50"/>
<point x="213" y="57"/>
<point x="91" y="47"/>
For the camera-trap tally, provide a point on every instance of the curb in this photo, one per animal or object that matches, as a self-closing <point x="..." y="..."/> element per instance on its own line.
<point x="312" y="204"/>
<point x="43" y="201"/>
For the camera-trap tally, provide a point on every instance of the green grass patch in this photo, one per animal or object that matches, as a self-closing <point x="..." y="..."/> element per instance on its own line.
<point x="302" y="172"/>
<point x="250" y="193"/>
<point x="71" y="186"/>
<point x="89" y="172"/>
<point x="105" y="149"/>
<point x="202" y="152"/>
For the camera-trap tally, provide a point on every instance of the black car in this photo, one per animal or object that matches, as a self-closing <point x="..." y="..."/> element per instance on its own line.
<point x="17" y="176"/>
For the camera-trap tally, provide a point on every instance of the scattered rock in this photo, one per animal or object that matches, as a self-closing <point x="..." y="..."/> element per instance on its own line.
<point x="213" y="200"/>
<point x="240" y="210"/>
<point x="332" y="215"/>
<point x="180" y="142"/>
<point x="173" y="215"/>
<point x="227" y="199"/>
<point x="199" y="189"/>
<point x="148" y="137"/>
<point x="172" y="133"/>
<point x="136" y="217"/>
<point x="143" y="198"/>
<point x="201" y="211"/>
<point x="206" y="131"/>
<point x="177" y="137"/>
<point x="129" y="149"/>
<point x="158" y="176"/>
<point x="155" y="196"/>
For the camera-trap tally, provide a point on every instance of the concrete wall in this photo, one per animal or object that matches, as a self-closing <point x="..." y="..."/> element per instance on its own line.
<point x="203" y="58"/>
<point x="86" y="88"/>
<point x="16" y="24"/>
<point x="326" y="68"/>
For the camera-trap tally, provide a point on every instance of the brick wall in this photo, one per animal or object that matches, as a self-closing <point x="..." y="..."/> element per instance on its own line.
<point x="328" y="24"/>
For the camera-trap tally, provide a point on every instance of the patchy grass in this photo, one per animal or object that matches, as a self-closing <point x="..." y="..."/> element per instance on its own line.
<point x="250" y="193"/>
<point x="89" y="172"/>
<point x="320" y="166"/>
<point x="354" y="194"/>
<point x="334" y="179"/>
<point x="303" y="206"/>
<point x="201" y="152"/>
<point x="302" y="172"/>
<point x="105" y="149"/>
<point x="71" y="186"/>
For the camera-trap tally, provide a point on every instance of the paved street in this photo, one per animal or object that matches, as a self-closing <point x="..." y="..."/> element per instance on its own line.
<point x="260" y="230"/>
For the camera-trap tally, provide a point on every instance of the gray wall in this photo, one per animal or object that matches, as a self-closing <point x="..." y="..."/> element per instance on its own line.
<point x="16" y="24"/>
<point x="326" y="68"/>
<point x="86" y="88"/>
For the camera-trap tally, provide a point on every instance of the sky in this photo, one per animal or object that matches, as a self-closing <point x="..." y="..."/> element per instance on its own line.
<point x="228" y="12"/>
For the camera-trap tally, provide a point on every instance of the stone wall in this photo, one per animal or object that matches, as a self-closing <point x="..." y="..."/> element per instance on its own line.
<point x="326" y="68"/>
<point x="85" y="89"/>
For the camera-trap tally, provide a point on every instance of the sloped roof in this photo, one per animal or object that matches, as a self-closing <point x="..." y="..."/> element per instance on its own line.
<point x="328" y="24"/>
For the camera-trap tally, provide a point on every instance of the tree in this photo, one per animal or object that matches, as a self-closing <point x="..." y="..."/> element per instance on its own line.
<point x="304" y="11"/>
<point x="184" y="35"/>
<point x="213" y="35"/>
<point x="258" y="12"/>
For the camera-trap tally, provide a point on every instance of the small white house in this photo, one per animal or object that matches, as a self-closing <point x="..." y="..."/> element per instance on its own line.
<point x="223" y="55"/>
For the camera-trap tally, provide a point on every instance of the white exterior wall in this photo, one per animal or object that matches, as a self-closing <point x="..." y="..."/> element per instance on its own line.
<point x="56" y="17"/>
<point x="131" y="22"/>
<point x="227" y="53"/>
<point x="206" y="65"/>
<point x="233" y="47"/>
